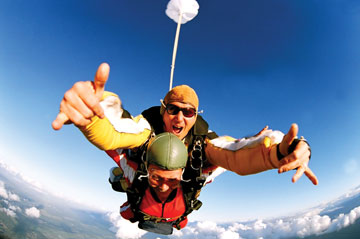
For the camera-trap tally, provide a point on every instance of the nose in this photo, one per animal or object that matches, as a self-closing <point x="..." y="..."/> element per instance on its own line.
<point x="180" y="115"/>
<point x="164" y="187"/>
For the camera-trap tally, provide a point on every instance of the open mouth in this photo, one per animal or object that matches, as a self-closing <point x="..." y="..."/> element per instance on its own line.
<point x="177" y="130"/>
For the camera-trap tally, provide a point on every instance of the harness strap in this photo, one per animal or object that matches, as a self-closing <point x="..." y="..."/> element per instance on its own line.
<point x="147" y="217"/>
<point x="193" y="186"/>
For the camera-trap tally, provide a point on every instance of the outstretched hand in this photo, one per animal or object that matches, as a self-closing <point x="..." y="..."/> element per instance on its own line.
<point x="298" y="159"/>
<point x="82" y="101"/>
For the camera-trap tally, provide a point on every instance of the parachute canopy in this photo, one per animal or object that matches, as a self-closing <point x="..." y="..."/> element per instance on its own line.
<point x="187" y="9"/>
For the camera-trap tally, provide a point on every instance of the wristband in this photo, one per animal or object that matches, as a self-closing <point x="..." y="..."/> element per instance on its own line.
<point x="278" y="154"/>
<point x="291" y="148"/>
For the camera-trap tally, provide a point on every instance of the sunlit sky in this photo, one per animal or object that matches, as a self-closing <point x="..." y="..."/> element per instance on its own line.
<point x="253" y="63"/>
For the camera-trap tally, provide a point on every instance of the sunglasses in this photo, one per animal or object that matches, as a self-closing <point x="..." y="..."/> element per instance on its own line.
<point x="174" y="110"/>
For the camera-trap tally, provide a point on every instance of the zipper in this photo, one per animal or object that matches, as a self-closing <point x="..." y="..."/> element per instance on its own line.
<point x="163" y="209"/>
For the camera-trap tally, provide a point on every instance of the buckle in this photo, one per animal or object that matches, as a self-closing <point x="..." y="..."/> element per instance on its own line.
<point x="196" y="156"/>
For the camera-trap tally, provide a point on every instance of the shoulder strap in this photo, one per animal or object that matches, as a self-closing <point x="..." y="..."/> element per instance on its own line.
<point x="193" y="179"/>
<point x="191" y="192"/>
<point x="137" y="190"/>
<point x="153" y="116"/>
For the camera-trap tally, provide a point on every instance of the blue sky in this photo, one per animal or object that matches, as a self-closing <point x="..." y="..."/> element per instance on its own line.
<point x="252" y="63"/>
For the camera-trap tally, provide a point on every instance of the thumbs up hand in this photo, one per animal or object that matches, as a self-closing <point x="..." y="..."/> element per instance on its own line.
<point x="82" y="101"/>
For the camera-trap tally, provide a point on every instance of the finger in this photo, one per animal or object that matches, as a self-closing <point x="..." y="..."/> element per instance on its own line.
<point x="293" y="161"/>
<point x="101" y="76"/>
<point x="288" y="138"/>
<point x="289" y="166"/>
<point x="74" y="116"/>
<point x="311" y="176"/>
<point x="300" y="152"/>
<point x="81" y="100"/>
<point x="299" y="172"/>
<point x="60" y="120"/>
<point x="262" y="131"/>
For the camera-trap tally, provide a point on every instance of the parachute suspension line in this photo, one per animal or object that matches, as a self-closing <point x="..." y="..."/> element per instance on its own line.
<point x="175" y="50"/>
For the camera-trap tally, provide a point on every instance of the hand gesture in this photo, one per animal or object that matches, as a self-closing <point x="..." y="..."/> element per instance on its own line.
<point x="82" y="101"/>
<point x="298" y="159"/>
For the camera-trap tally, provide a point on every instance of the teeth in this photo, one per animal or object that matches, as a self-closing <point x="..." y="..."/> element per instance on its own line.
<point x="177" y="129"/>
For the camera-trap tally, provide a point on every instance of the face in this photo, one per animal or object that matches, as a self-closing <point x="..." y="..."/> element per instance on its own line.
<point x="164" y="180"/>
<point x="178" y="124"/>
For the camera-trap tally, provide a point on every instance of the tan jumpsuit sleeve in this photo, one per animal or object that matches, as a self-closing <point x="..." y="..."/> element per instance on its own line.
<point x="245" y="156"/>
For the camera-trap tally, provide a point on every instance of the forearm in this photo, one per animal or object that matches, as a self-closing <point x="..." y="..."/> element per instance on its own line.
<point x="246" y="156"/>
<point x="114" y="131"/>
<point x="102" y="134"/>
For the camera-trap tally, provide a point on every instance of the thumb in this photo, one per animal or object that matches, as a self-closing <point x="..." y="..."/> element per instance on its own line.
<point x="288" y="139"/>
<point x="101" y="76"/>
<point x="60" y="120"/>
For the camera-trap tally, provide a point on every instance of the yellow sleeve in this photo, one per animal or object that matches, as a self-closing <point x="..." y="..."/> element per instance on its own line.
<point x="245" y="156"/>
<point x="114" y="131"/>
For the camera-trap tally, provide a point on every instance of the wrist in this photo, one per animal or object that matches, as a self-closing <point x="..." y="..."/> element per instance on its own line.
<point x="291" y="148"/>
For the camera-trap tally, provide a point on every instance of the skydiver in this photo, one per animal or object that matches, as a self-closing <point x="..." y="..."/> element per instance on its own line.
<point x="101" y="118"/>
<point x="158" y="197"/>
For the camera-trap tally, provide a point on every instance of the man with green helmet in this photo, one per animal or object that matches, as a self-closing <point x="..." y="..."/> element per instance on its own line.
<point x="166" y="156"/>
<point x="160" y="201"/>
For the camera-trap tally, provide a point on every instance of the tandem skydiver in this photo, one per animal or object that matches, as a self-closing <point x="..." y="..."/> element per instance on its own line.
<point x="158" y="196"/>
<point x="101" y="118"/>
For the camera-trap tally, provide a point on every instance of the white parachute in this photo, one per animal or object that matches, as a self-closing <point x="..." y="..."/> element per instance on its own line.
<point x="181" y="11"/>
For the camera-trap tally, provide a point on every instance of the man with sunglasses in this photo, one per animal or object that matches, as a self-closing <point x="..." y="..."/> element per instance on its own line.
<point x="100" y="117"/>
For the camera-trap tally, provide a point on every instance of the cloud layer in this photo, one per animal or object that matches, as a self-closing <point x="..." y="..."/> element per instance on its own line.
<point x="9" y="199"/>
<point x="299" y="227"/>
<point x="313" y="222"/>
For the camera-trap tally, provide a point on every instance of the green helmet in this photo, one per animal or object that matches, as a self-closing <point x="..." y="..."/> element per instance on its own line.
<point x="167" y="151"/>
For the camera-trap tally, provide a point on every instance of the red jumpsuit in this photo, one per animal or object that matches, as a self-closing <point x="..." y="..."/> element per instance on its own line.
<point x="151" y="206"/>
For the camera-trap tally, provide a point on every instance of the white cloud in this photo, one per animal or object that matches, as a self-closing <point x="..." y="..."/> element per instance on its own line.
<point x="7" y="195"/>
<point x="8" y="167"/>
<point x="40" y="188"/>
<point x="32" y="212"/>
<point x="14" y="197"/>
<point x="124" y="229"/>
<point x="344" y="220"/>
<point x="36" y="185"/>
<point x="9" y="212"/>
<point x="3" y="192"/>
<point x="300" y="226"/>
<point x="14" y="208"/>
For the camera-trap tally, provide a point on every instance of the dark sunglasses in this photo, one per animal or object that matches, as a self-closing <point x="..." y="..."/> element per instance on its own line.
<point x="174" y="110"/>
